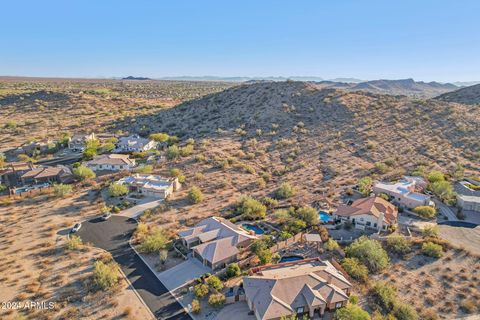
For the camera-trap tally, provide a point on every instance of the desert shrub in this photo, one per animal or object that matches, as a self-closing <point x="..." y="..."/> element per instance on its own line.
<point x="163" y="256"/>
<point x="403" y="311"/>
<point x="426" y="211"/>
<point x="74" y="242"/>
<point x="351" y="312"/>
<point x="381" y="167"/>
<point x="159" y="137"/>
<point x="430" y="232"/>
<point x="331" y="245"/>
<point x="215" y="283"/>
<point x="269" y="202"/>
<point x="308" y="214"/>
<point x="186" y="150"/>
<point x="369" y="252"/>
<point x="144" y="169"/>
<point x="435" y="176"/>
<point x="200" y="290"/>
<point x="216" y="300"/>
<point x="154" y="241"/>
<point x="173" y="152"/>
<point x="469" y="305"/>
<point x="284" y="235"/>
<point x="265" y="256"/>
<point x="323" y="232"/>
<point x="105" y="276"/>
<point x="398" y="244"/>
<point x="285" y="191"/>
<point x="282" y="215"/>
<point x="83" y="173"/>
<point x="355" y="269"/>
<point x="444" y="190"/>
<point x="384" y="296"/>
<point x="233" y="270"/>
<point x="353" y="299"/>
<point x="195" y="195"/>
<point x="117" y="189"/>
<point x="365" y="185"/>
<point x="432" y="249"/>
<point x="61" y="190"/>
<point x="177" y="173"/>
<point x="251" y="208"/>
<point x="196" y="306"/>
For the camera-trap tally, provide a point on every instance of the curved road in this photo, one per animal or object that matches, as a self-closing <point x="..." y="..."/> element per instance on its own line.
<point x="113" y="235"/>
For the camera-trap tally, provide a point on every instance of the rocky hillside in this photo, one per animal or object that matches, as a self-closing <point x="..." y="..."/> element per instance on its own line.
<point x="468" y="95"/>
<point x="407" y="87"/>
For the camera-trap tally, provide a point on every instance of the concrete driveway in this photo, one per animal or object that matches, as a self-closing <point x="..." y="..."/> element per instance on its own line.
<point x="137" y="210"/>
<point x="235" y="311"/>
<point x="182" y="273"/>
<point x="113" y="235"/>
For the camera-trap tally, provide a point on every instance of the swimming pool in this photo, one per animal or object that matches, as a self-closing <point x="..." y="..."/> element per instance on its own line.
<point x="254" y="228"/>
<point x="290" y="258"/>
<point x="324" y="216"/>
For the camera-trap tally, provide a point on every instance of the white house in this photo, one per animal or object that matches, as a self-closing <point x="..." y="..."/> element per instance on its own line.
<point x="467" y="197"/>
<point x="111" y="162"/>
<point x="373" y="213"/>
<point x="134" y="143"/>
<point x="405" y="192"/>
<point x="147" y="185"/>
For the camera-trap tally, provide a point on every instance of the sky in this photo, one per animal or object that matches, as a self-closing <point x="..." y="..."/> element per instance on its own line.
<point x="366" y="39"/>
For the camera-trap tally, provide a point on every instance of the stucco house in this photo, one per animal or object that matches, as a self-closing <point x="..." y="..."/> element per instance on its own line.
<point x="372" y="213"/>
<point x="78" y="141"/>
<point x="405" y="192"/>
<point x="467" y="197"/>
<point x="216" y="241"/>
<point x="11" y="173"/>
<point x="306" y="287"/>
<point x="111" y="162"/>
<point x="148" y="185"/>
<point x="135" y="143"/>
<point x="57" y="174"/>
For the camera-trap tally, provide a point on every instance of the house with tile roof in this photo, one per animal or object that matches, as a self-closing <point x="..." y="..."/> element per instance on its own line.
<point x="111" y="162"/>
<point x="57" y="174"/>
<point x="372" y="213"/>
<point x="216" y="241"/>
<point x="306" y="287"/>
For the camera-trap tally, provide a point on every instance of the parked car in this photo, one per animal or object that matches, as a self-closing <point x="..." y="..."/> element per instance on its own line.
<point x="76" y="227"/>
<point x="106" y="216"/>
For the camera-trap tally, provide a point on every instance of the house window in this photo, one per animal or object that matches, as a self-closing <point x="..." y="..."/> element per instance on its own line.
<point x="300" y="310"/>
<point x="375" y="224"/>
<point x="368" y="223"/>
<point x="384" y="227"/>
<point x="338" y="305"/>
<point x="361" y="219"/>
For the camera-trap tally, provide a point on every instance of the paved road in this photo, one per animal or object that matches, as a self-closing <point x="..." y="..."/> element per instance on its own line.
<point x="445" y="210"/>
<point x="113" y="236"/>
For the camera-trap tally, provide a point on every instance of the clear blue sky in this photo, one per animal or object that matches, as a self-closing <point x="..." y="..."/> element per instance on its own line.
<point x="366" y="39"/>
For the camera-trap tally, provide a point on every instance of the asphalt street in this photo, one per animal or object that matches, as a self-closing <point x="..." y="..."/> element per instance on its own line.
<point x="113" y="235"/>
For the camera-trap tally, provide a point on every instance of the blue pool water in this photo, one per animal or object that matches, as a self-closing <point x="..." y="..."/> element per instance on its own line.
<point x="253" y="228"/>
<point x="324" y="217"/>
<point x="290" y="258"/>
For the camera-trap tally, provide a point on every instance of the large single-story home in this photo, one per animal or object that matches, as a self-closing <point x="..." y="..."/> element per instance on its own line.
<point x="405" y="192"/>
<point x="216" y="241"/>
<point x="372" y="212"/>
<point x="58" y="174"/>
<point x="111" y="162"/>
<point x="36" y="147"/>
<point x="148" y="185"/>
<point x="78" y="141"/>
<point x="467" y="197"/>
<point x="11" y="173"/>
<point x="305" y="287"/>
<point x="134" y="143"/>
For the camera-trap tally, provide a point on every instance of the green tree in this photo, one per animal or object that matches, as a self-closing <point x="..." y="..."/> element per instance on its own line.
<point x="233" y="270"/>
<point x="173" y="152"/>
<point x="331" y="245"/>
<point x="308" y="214"/>
<point x="251" y="208"/>
<point x="159" y="137"/>
<point x="196" y="306"/>
<point x="163" y="256"/>
<point x="265" y="256"/>
<point x="83" y="173"/>
<point x="403" y="311"/>
<point x="2" y="159"/>
<point x="154" y="241"/>
<point x="426" y="211"/>
<point x="62" y="190"/>
<point x="200" y="290"/>
<point x="435" y="176"/>
<point x="351" y="312"/>
<point x="74" y="242"/>
<point x="355" y="269"/>
<point x="444" y="190"/>
<point x="117" y="189"/>
<point x="432" y="249"/>
<point x="216" y="300"/>
<point x="215" y="283"/>
<point x="398" y="244"/>
<point x="177" y="173"/>
<point x="195" y="195"/>
<point x="285" y="191"/>
<point x="105" y="276"/>
<point x="365" y="185"/>
<point x="369" y="252"/>
<point x="430" y="232"/>
<point x="384" y="296"/>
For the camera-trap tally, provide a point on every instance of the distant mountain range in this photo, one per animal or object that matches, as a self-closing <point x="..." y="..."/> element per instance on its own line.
<point x="135" y="78"/>
<point x="467" y="95"/>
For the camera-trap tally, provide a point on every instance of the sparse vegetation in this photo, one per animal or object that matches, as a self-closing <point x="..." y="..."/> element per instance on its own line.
<point x="369" y="252"/>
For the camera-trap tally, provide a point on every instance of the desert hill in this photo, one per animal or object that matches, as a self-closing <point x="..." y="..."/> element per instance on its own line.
<point x="407" y="87"/>
<point x="468" y="95"/>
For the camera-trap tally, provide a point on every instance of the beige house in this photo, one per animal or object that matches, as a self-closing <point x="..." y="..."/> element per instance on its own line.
<point x="148" y="185"/>
<point x="468" y="198"/>
<point x="306" y="287"/>
<point x="78" y="141"/>
<point x="216" y="241"/>
<point x="111" y="162"/>
<point x="405" y="192"/>
<point x="373" y="213"/>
